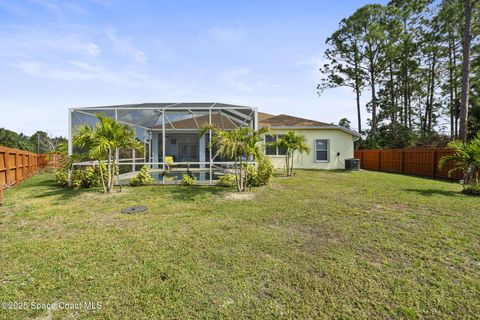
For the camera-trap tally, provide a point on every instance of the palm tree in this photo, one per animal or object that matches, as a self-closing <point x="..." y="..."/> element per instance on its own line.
<point x="466" y="158"/>
<point x="292" y="142"/>
<point x="103" y="142"/>
<point x="240" y="144"/>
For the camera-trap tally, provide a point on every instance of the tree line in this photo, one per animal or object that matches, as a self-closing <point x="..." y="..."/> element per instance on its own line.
<point x="419" y="63"/>
<point x="39" y="142"/>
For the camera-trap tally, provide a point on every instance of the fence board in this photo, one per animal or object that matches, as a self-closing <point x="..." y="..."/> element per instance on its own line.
<point x="421" y="162"/>
<point x="17" y="165"/>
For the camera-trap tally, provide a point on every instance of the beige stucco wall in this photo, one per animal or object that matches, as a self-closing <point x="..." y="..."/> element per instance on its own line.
<point x="339" y="141"/>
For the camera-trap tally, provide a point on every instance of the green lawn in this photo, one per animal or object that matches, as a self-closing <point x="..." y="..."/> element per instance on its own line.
<point x="318" y="245"/>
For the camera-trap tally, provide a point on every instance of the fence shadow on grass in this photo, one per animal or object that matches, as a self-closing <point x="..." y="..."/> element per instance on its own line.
<point x="432" y="192"/>
<point x="49" y="188"/>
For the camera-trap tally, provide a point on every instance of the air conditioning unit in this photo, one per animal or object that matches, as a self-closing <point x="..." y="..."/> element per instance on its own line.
<point x="352" y="164"/>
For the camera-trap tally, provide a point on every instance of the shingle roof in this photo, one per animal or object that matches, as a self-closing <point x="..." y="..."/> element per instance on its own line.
<point x="284" y="120"/>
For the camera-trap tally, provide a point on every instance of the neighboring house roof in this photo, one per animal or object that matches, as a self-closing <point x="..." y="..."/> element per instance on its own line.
<point x="284" y="121"/>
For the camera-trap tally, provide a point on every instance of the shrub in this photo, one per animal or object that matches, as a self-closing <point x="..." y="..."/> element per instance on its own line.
<point x="252" y="175"/>
<point x="473" y="190"/>
<point x="78" y="178"/>
<point x="61" y="177"/>
<point x="227" y="180"/>
<point x="143" y="178"/>
<point x="83" y="177"/>
<point x="96" y="178"/>
<point x="261" y="175"/>
<point x="265" y="171"/>
<point x="188" y="180"/>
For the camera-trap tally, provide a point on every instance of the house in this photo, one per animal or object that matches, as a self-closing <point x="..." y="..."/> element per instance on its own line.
<point x="330" y="144"/>
<point x="172" y="144"/>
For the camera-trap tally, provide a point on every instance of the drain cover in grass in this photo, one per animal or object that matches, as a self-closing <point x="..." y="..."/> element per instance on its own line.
<point x="134" y="209"/>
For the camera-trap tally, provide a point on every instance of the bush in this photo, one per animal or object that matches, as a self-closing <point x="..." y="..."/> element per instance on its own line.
<point x="473" y="190"/>
<point x="61" y="177"/>
<point x="252" y="175"/>
<point x="95" y="180"/>
<point x="265" y="171"/>
<point x="261" y="175"/>
<point x="227" y="180"/>
<point x="188" y="180"/>
<point x="143" y="178"/>
<point x="83" y="177"/>
<point x="79" y="178"/>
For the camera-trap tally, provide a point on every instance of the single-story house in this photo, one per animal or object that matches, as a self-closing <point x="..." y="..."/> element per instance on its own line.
<point x="172" y="144"/>
<point x="330" y="144"/>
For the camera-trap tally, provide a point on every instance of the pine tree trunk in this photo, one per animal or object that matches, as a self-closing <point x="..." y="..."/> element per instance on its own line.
<point x="432" y="91"/>
<point x="374" y="101"/>
<point x="450" y="85"/>
<point x="357" y="96"/>
<point x="465" y="71"/>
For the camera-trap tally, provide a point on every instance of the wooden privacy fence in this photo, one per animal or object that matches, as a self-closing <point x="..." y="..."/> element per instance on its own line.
<point x="17" y="165"/>
<point x="420" y="162"/>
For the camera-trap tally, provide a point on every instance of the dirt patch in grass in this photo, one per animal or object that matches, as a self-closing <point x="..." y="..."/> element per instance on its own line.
<point x="382" y="208"/>
<point x="240" y="196"/>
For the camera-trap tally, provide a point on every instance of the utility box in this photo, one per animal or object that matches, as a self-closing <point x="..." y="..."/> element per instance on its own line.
<point x="352" y="164"/>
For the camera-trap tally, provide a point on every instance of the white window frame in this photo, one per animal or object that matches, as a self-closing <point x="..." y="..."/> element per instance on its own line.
<point x="276" y="148"/>
<point x="315" y="153"/>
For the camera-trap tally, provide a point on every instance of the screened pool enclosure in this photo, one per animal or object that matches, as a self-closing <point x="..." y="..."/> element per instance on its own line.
<point x="170" y="134"/>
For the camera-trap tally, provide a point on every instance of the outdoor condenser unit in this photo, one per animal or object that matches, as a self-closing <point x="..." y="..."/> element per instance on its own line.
<point x="352" y="164"/>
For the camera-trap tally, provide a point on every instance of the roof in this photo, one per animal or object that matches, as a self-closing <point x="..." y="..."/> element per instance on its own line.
<point x="180" y="115"/>
<point x="171" y="105"/>
<point x="284" y="121"/>
<point x="220" y="120"/>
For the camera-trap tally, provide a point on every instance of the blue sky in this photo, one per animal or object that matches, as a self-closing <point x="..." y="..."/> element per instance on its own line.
<point x="56" y="54"/>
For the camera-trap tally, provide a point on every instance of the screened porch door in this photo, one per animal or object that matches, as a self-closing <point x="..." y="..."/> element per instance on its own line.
<point x="188" y="152"/>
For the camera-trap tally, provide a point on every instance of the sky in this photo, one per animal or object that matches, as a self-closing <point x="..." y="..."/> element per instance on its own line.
<point x="59" y="54"/>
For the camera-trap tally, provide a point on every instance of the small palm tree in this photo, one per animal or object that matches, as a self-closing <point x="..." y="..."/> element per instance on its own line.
<point x="240" y="145"/>
<point x="103" y="142"/>
<point x="466" y="158"/>
<point x="292" y="142"/>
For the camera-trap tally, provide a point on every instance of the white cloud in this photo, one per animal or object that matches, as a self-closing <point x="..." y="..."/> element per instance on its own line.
<point x="126" y="45"/>
<point x="60" y="7"/>
<point x="244" y="80"/>
<point x="28" y="42"/>
<point x="310" y="65"/>
<point x="228" y="34"/>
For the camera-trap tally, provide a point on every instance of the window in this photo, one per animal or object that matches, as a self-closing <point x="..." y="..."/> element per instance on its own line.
<point x="273" y="150"/>
<point x="321" y="150"/>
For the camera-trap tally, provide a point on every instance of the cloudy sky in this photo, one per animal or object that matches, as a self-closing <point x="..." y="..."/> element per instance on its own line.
<point x="56" y="54"/>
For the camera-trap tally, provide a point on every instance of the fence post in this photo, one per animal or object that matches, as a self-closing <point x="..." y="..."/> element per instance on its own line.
<point x="7" y="166"/>
<point x="17" y="173"/>
<point x="434" y="151"/>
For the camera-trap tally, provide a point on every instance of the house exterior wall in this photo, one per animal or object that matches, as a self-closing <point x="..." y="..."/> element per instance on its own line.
<point x="339" y="142"/>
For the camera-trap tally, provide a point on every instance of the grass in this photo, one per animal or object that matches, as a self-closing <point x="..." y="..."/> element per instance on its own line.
<point x="318" y="245"/>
